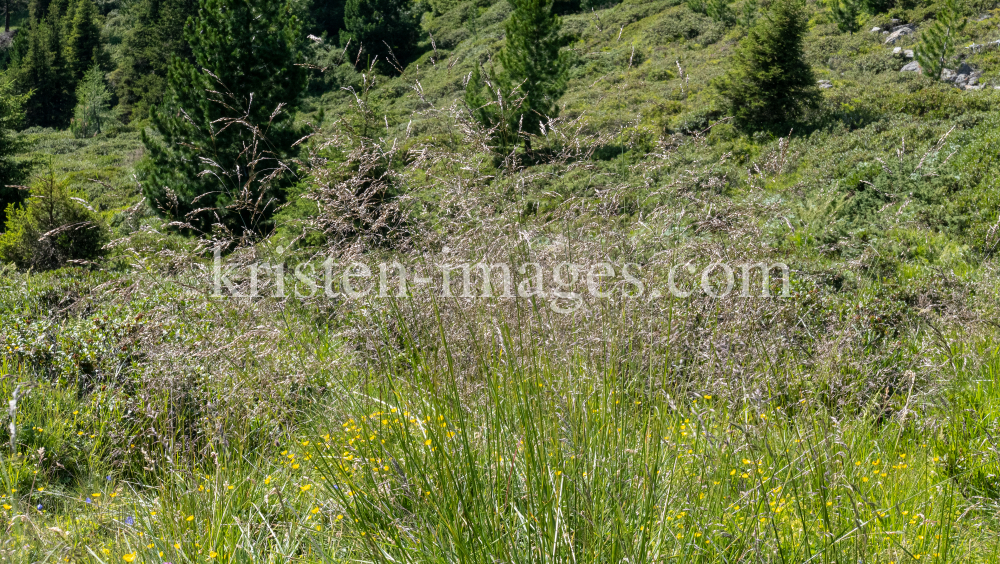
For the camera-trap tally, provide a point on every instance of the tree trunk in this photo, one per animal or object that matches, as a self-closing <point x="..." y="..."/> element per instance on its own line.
<point x="6" y="16"/>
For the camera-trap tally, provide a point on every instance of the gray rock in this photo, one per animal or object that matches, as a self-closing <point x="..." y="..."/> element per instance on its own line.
<point x="908" y="53"/>
<point x="897" y="51"/>
<point x="911" y="66"/>
<point x="824" y="84"/>
<point x="899" y="32"/>
<point x="894" y="21"/>
<point x="984" y="17"/>
<point x="876" y="29"/>
<point x="948" y="75"/>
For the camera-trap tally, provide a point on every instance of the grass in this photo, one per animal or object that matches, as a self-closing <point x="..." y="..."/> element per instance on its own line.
<point x="852" y="421"/>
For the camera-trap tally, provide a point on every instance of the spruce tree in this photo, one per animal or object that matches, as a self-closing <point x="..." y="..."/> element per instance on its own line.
<point x="245" y="54"/>
<point x="83" y="40"/>
<point x="938" y="42"/>
<point x="845" y="13"/>
<point x="533" y="61"/>
<point x="156" y="34"/>
<point x="13" y="170"/>
<point x="769" y="83"/>
<point x="376" y="24"/>
<point x="41" y="72"/>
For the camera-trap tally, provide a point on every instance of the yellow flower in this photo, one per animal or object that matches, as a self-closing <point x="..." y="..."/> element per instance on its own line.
<point x="213" y="554"/>
<point x="190" y="518"/>
<point x="129" y="557"/>
<point x="177" y="545"/>
<point x="315" y="510"/>
<point x="98" y="494"/>
<point x="427" y="442"/>
<point x="306" y="487"/>
<point x="339" y="517"/>
<point x="105" y="551"/>
<point x="7" y="507"/>
<point x="267" y="481"/>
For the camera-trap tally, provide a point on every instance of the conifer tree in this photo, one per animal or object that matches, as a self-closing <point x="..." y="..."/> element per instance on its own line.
<point x="845" y="13"/>
<point x="938" y="42"/>
<point x="83" y="40"/>
<point x="533" y="61"/>
<point x="41" y="72"/>
<point x="93" y="109"/>
<point x="375" y="24"/>
<point x="13" y="170"/>
<point x="155" y="36"/>
<point x="769" y="83"/>
<point x="251" y="48"/>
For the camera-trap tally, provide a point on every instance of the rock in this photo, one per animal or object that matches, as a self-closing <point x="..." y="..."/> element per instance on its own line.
<point x="911" y="66"/>
<point x="898" y="32"/>
<point x="7" y="39"/>
<point x="897" y="51"/>
<point x="984" y="17"/>
<point x="876" y="29"/>
<point x="894" y="21"/>
<point x="908" y="53"/>
<point x="948" y="75"/>
<point x="824" y="84"/>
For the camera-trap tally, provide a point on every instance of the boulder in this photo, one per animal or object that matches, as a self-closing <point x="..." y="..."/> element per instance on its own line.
<point x="876" y="29"/>
<point x="899" y="32"/>
<point x="824" y="84"/>
<point x="911" y="66"/>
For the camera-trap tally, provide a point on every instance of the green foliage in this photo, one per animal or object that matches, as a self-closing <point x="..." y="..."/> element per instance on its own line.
<point x="155" y="35"/>
<point x="13" y="170"/>
<point x="878" y="6"/>
<point x="42" y="71"/>
<point x="939" y="41"/>
<point x="387" y="29"/>
<point x="93" y="108"/>
<point x="718" y="10"/>
<point x="327" y="16"/>
<point x="83" y="42"/>
<point x="534" y="63"/>
<point x="845" y="13"/>
<point x="228" y="112"/>
<point x="52" y="229"/>
<point x="769" y="84"/>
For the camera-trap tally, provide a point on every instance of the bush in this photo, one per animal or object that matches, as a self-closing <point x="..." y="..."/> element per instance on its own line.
<point x="53" y="229"/>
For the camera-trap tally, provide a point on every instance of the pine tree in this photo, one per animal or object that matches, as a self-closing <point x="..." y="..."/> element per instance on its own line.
<point x="251" y="48"/>
<point x="93" y="104"/>
<point x="533" y="61"/>
<point x="83" y="40"/>
<point x="845" y="13"/>
<point x="938" y="42"/>
<point x="374" y="24"/>
<point x="769" y="83"/>
<point x="13" y="170"/>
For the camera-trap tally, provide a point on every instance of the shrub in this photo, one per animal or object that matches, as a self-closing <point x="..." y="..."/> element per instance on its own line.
<point x="770" y="82"/>
<point x="53" y="229"/>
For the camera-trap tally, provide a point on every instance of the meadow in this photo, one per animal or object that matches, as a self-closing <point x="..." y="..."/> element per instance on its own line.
<point x="853" y="420"/>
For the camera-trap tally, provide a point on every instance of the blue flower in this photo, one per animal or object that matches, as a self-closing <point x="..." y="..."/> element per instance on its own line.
<point x="39" y="506"/>
<point x="88" y="501"/>
<point x="129" y="521"/>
